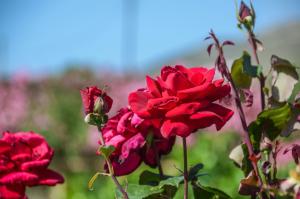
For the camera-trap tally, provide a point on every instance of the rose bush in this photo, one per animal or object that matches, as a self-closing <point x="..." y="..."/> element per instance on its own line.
<point x="183" y="100"/>
<point x="24" y="158"/>
<point x="135" y="140"/>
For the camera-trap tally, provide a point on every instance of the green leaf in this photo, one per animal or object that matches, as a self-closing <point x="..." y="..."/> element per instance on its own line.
<point x="273" y="121"/>
<point x="253" y="71"/>
<point x="193" y="172"/>
<point x="295" y="92"/>
<point x="171" y="181"/>
<point x="290" y="127"/>
<point x="107" y="150"/>
<point x="135" y="191"/>
<point x="168" y="184"/>
<point x="241" y="79"/>
<point x="281" y="65"/>
<point x="149" y="178"/>
<point x="201" y="192"/>
<point x="242" y="71"/>
<point x="240" y="156"/>
<point x="246" y="163"/>
<point x="255" y="135"/>
<point x="237" y="155"/>
<point x="92" y="180"/>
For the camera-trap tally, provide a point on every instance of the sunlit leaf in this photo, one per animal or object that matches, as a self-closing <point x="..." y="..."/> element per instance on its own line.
<point x="241" y="79"/>
<point x="295" y="92"/>
<point x="284" y="66"/>
<point x="237" y="155"/>
<point x="240" y="157"/>
<point x="273" y="121"/>
<point x="135" y="191"/>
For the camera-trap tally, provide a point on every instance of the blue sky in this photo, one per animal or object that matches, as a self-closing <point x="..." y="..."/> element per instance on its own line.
<point x="42" y="36"/>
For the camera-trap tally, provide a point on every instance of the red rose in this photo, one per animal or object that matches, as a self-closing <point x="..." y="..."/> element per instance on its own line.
<point x="128" y="133"/>
<point x="90" y="95"/>
<point x="183" y="100"/>
<point x="24" y="158"/>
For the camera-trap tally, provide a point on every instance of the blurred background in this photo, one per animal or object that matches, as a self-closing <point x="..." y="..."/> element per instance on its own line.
<point x="51" y="49"/>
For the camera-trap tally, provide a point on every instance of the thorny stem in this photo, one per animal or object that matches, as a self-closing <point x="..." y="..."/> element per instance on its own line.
<point x="252" y="42"/>
<point x="239" y="107"/>
<point x="114" y="178"/>
<point x="185" y="170"/>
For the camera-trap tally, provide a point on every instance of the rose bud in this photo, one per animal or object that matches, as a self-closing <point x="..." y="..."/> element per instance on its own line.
<point x="95" y="100"/>
<point x="96" y="104"/>
<point x="246" y="15"/>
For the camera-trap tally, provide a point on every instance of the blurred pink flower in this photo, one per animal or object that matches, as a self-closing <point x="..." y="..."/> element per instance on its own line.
<point x="13" y="102"/>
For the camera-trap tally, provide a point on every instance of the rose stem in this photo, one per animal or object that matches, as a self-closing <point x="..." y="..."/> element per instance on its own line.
<point x="239" y="108"/>
<point x="114" y="178"/>
<point x="185" y="170"/>
<point x="157" y="158"/>
<point x="251" y="39"/>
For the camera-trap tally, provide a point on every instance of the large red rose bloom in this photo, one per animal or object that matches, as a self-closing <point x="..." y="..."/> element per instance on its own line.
<point x="24" y="158"/>
<point x="183" y="99"/>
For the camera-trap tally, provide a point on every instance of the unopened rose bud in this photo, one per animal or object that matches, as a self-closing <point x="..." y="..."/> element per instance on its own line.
<point x="244" y="11"/>
<point x="246" y="15"/>
<point x="98" y="105"/>
<point x="95" y="100"/>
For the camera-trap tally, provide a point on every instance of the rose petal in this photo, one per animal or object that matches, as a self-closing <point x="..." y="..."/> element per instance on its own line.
<point x="16" y="191"/>
<point x="134" y="143"/>
<point x="170" y="128"/>
<point x="48" y="177"/>
<point x="131" y="163"/>
<point x="4" y="146"/>
<point x="38" y="164"/>
<point x="153" y="87"/>
<point x="138" y="103"/>
<point x="197" y="92"/>
<point x="122" y="124"/>
<point x="116" y="141"/>
<point x="163" y="103"/>
<point x="19" y="177"/>
<point x="177" y="81"/>
<point x="6" y="164"/>
<point x="214" y="114"/>
<point x="186" y="109"/>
